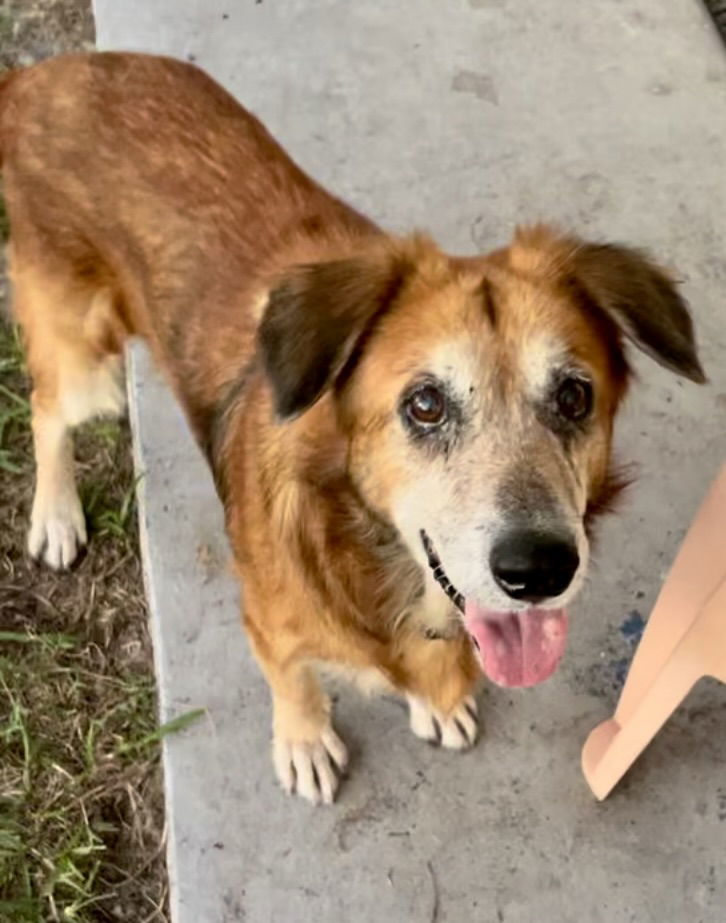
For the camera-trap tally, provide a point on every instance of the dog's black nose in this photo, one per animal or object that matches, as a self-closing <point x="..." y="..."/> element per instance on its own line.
<point x="533" y="566"/>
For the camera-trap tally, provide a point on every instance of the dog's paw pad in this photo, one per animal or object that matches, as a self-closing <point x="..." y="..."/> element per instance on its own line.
<point x="311" y="769"/>
<point x="57" y="532"/>
<point x="456" y="731"/>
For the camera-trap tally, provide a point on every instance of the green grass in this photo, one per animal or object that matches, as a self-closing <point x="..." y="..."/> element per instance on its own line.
<point x="81" y="808"/>
<point x="73" y="741"/>
<point x="81" y="812"/>
<point x="14" y="406"/>
<point x="80" y="794"/>
<point x="6" y="31"/>
<point x="78" y="737"/>
<point x="108" y="516"/>
<point x="59" y="749"/>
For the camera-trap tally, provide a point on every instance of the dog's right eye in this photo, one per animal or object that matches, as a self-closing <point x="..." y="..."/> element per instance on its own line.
<point x="426" y="406"/>
<point x="574" y="399"/>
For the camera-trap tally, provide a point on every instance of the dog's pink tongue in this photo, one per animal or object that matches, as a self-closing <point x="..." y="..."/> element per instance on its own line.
<point x="518" y="648"/>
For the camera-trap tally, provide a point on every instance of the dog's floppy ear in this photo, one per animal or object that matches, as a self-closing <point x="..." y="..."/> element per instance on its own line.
<point x="642" y="301"/>
<point x="316" y="317"/>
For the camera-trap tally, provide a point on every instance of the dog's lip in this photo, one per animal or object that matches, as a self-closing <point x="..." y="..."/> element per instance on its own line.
<point x="439" y="574"/>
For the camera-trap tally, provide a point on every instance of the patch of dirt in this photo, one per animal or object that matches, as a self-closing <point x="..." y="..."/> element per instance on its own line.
<point x="81" y="803"/>
<point x="31" y="30"/>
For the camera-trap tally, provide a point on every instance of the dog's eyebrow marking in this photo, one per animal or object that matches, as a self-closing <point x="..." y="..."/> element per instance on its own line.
<point x="487" y="296"/>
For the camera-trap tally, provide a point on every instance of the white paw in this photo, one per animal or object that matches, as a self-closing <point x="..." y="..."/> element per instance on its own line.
<point x="456" y="731"/>
<point x="310" y="769"/>
<point x="57" y="530"/>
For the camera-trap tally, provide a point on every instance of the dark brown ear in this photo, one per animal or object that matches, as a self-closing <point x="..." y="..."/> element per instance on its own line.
<point x="643" y="302"/>
<point x="316" y="317"/>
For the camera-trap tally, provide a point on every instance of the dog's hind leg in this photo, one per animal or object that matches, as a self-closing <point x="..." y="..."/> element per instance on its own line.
<point x="77" y="373"/>
<point x="57" y="524"/>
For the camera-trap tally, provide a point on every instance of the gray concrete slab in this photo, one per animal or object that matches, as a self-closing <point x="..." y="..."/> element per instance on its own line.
<point x="463" y="117"/>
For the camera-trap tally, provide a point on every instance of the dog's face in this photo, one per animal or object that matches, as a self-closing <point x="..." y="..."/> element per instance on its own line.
<point x="477" y="398"/>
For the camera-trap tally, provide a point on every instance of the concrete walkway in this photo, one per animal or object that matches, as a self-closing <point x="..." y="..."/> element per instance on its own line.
<point x="463" y="117"/>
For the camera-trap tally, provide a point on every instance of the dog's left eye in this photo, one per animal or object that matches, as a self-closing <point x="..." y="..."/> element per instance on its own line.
<point x="426" y="406"/>
<point x="574" y="399"/>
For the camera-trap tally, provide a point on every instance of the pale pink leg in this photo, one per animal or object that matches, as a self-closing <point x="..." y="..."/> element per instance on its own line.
<point x="683" y="641"/>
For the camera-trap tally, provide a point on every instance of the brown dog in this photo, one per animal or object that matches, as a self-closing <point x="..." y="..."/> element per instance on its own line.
<point x="409" y="446"/>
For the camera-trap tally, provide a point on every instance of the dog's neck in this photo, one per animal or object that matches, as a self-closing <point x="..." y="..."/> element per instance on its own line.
<point x="376" y="580"/>
<point x="350" y="555"/>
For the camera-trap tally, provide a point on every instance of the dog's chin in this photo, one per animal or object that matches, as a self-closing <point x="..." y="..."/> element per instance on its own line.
<point x="517" y="646"/>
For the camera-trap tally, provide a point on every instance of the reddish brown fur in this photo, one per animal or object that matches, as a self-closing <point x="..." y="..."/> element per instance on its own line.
<point x="141" y="179"/>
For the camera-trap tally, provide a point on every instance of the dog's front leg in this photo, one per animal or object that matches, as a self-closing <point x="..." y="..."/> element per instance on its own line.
<point x="308" y="755"/>
<point x="440" y="678"/>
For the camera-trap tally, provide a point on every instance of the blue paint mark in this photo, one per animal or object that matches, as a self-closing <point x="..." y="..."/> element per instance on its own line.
<point x="633" y="627"/>
<point x="611" y="673"/>
<point x="620" y="671"/>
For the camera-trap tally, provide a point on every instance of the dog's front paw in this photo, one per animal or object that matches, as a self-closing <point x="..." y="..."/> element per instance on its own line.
<point x="57" y="530"/>
<point x="457" y="731"/>
<point x="310" y="768"/>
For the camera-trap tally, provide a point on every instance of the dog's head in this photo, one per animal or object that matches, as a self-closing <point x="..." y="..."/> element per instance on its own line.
<point x="477" y="398"/>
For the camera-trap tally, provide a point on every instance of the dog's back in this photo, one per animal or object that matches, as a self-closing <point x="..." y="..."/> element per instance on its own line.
<point x="141" y="177"/>
<point x="146" y="146"/>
